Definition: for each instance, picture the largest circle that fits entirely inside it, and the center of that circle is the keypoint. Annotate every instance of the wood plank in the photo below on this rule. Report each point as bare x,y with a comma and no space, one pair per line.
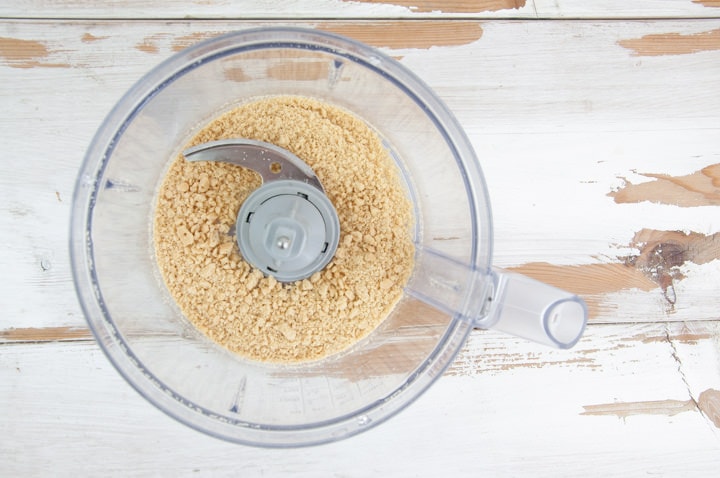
555,110
616,405
267,9
376,9
623,10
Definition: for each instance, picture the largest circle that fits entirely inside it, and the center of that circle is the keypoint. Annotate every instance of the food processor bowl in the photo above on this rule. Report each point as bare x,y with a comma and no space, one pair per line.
453,287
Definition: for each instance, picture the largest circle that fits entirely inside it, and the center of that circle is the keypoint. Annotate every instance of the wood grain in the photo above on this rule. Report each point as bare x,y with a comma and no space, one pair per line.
415,34
673,43
18,53
47,334
627,409
709,403
701,188
530,412
386,34
349,9
590,281
456,6
658,263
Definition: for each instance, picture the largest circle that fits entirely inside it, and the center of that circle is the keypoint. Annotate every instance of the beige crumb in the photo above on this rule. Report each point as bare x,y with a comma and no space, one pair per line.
256,316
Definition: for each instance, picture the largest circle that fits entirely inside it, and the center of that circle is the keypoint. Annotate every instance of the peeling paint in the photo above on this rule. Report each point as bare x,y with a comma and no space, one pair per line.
180,43
236,74
451,6
587,279
149,44
590,281
466,364
299,70
625,409
662,253
673,43
385,34
686,338
18,53
89,38
709,405
46,334
708,3
701,188
409,34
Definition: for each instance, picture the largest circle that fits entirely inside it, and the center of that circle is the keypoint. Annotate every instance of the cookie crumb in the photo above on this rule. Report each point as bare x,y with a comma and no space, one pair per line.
236,305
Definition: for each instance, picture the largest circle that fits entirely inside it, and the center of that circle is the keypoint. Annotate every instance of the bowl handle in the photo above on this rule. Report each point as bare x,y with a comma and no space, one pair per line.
536,311
499,300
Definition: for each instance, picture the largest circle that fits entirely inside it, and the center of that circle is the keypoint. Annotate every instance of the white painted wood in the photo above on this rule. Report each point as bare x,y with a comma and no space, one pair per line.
74,414
554,109
250,9
298,9
560,114
622,9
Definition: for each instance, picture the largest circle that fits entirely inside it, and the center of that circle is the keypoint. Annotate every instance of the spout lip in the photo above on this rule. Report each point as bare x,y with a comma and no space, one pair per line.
565,320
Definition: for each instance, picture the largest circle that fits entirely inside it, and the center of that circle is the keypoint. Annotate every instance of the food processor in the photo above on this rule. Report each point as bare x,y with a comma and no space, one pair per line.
453,287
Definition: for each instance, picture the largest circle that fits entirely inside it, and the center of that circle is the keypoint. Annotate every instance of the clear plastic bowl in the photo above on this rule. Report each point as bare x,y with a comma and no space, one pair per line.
134,318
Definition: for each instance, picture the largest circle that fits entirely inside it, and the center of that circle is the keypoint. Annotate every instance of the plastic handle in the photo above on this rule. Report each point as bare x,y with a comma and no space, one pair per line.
499,300
536,311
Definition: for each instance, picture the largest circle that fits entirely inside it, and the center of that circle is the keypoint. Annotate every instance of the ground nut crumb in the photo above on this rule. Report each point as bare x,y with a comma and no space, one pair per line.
256,316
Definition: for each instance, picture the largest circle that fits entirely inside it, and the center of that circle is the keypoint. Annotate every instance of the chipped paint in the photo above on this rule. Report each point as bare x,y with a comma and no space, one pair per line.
236,74
386,34
451,6
685,338
180,43
409,34
675,334
662,253
149,44
626,409
701,188
708,3
587,279
467,364
709,404
18,53
673,43
658,263
46,334
299,70
590,281
89,38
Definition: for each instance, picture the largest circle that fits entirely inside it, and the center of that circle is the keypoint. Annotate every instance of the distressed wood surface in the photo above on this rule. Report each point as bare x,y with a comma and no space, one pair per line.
615,405
600,141
381,9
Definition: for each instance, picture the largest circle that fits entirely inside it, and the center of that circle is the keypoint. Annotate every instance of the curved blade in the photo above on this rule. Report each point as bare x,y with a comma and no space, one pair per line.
271,162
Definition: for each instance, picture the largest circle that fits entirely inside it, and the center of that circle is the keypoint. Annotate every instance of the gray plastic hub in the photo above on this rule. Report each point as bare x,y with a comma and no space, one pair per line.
288,229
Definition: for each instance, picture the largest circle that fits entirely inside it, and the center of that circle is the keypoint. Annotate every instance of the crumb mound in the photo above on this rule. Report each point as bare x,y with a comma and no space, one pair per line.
235,304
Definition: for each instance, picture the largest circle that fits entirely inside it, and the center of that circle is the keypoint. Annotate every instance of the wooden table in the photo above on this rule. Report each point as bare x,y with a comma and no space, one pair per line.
598,127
